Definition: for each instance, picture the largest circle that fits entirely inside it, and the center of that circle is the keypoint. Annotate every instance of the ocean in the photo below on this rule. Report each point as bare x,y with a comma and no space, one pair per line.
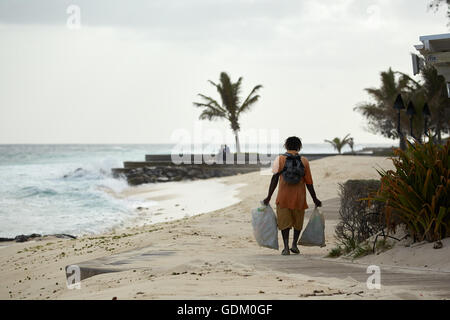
48,189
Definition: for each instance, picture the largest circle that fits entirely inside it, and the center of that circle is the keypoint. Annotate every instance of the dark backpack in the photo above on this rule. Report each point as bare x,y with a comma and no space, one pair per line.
293,170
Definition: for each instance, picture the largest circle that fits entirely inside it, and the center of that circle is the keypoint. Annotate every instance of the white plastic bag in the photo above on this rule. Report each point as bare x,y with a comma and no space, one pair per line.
314,233
265,229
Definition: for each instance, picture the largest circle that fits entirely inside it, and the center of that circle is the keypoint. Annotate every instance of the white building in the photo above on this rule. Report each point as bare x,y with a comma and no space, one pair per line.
436,51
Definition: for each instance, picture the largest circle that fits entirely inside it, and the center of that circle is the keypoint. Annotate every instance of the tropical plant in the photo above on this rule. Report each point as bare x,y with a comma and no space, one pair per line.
230,107
381,116
434,91
359,219
338,144
417,192
362,249
335,252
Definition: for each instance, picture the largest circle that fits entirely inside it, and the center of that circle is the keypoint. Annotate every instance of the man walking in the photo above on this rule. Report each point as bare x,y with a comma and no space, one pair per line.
294,175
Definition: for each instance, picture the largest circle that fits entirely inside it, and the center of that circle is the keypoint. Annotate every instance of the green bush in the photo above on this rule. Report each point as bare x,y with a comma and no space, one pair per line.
362,250
350,247
359,218
383,245
335,252
417,192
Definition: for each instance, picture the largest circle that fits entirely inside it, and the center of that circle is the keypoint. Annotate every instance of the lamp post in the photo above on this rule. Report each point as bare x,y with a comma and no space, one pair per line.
426,115
399,105
410,111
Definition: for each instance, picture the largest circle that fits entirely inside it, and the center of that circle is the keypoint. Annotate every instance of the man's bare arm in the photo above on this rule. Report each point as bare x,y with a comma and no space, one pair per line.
272,187
312,192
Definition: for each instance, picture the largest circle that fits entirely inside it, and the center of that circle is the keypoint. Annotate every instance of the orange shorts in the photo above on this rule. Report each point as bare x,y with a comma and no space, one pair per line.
290,218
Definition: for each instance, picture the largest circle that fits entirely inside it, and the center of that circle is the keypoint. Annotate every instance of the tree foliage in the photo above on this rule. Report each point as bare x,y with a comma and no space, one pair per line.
435,4
338,144
434,91
359,218
382,117
231,106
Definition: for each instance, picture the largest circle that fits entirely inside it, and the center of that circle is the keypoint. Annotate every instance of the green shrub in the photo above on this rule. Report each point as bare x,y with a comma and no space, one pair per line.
359,218
335,252
362,250
417,192
382,245
355,250
349,245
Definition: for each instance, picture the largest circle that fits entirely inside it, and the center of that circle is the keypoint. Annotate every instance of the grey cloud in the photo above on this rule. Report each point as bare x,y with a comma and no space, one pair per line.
199,22
150,13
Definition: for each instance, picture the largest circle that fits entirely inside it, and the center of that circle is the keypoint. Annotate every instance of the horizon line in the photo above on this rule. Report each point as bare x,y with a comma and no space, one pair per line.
162,143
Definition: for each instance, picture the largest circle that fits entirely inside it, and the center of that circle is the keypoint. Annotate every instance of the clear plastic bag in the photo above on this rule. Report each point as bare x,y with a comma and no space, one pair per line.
265,229
314,233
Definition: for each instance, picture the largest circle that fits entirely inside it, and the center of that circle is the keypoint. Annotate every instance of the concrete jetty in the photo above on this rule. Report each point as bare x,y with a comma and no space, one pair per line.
166,167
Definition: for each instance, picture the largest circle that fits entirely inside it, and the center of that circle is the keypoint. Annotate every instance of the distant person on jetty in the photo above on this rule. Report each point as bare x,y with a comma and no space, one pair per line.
224,150
293,173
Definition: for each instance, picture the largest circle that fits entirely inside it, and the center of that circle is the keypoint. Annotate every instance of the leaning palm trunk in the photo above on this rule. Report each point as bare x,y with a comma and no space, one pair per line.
238,146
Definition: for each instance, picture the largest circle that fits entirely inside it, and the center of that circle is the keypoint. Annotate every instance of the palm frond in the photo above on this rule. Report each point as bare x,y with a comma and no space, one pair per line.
251,99
338,144
346,138
211,114
212,109
227,93
237,91
219,88
377,94
210,102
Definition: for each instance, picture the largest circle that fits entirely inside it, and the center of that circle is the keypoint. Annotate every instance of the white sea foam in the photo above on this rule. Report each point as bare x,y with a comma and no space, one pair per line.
61,189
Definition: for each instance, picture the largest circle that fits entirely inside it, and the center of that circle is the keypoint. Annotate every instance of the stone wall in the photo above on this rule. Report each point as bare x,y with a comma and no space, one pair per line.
137,176
159,168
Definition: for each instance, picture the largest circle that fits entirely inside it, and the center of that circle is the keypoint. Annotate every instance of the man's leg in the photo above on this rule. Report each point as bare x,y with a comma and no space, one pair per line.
285,234
294,247
285,222
298,216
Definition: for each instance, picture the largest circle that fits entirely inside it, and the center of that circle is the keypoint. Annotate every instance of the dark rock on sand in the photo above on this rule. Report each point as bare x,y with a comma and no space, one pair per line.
152,174
438,245
64,236
23,237
135,180
162,179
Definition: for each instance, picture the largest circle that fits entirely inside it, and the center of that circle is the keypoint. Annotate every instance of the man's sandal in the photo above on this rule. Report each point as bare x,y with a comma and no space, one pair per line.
295,250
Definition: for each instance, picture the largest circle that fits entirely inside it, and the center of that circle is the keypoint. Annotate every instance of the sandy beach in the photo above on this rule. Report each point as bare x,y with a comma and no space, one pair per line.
213,255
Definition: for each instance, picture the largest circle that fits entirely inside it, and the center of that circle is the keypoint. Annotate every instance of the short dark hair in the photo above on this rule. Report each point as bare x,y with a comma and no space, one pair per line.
293,143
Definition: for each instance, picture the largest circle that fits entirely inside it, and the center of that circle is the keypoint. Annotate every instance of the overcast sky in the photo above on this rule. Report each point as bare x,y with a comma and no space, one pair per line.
133,69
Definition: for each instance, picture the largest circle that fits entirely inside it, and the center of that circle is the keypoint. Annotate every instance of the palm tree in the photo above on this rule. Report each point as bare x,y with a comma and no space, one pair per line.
338,144
435,93
231,106
381,116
